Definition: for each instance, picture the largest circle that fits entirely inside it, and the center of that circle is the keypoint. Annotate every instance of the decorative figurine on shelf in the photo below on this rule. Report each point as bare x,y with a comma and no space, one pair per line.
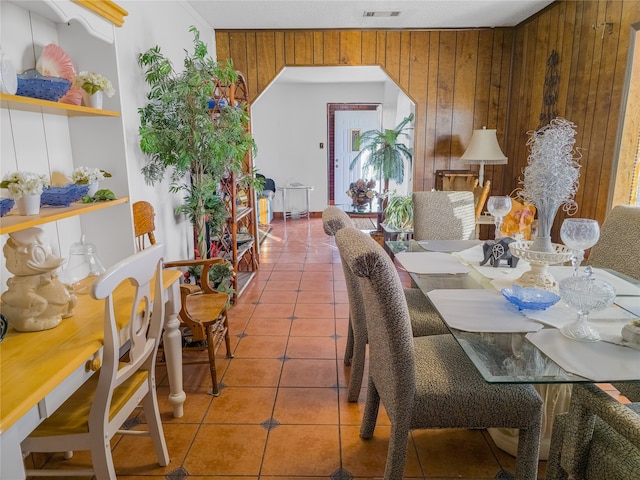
362,193
36,300
495,251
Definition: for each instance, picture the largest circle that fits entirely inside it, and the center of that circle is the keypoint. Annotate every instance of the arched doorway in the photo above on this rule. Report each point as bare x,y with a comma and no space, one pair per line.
290,122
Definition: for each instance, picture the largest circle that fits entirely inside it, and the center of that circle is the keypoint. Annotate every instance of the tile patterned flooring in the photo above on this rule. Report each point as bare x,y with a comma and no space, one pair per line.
282,413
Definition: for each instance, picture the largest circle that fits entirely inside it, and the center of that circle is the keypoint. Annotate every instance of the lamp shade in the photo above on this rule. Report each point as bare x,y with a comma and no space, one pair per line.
484,148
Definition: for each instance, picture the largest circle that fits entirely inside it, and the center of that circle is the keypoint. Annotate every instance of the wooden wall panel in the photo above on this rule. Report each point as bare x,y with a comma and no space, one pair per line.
461,80
592,69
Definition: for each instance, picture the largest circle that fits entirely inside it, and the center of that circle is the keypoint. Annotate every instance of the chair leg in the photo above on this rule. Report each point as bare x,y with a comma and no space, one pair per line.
528,449
554,463
397,453
348,351
357,369
211,350
152,414
227,339
370,415
102,460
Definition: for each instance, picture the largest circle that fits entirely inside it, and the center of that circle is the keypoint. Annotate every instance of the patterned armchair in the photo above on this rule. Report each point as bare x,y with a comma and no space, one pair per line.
597,439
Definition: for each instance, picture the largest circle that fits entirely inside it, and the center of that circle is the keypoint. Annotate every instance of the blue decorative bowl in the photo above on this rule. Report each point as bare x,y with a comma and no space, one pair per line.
528,298
6,204
63,196
33,84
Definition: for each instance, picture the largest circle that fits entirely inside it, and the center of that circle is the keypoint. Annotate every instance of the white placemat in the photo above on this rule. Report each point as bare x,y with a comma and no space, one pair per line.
622,286
560,314
629,303
448,246
430,263
480,310
598,361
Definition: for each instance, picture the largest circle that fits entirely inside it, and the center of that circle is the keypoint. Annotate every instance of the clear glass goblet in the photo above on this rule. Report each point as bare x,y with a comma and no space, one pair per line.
499,207
579,234
586,294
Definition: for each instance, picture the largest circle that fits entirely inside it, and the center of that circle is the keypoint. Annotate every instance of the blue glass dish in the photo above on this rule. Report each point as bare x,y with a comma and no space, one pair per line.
528,298
32,84
63,196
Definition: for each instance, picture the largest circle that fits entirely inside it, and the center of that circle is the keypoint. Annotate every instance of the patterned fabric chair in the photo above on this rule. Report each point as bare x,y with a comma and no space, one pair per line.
424,319
618,249
443,215
427,382
597,439
619,242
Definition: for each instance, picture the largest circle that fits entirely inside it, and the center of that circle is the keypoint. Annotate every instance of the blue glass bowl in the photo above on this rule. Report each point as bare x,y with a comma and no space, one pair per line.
35,85
6,204
528,298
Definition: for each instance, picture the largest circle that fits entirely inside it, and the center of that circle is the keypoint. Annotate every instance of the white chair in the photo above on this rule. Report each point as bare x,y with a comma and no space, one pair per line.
95,412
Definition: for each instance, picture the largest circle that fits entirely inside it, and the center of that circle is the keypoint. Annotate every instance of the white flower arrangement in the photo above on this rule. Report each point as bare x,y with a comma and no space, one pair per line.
85,175
92,82
551,177
24,183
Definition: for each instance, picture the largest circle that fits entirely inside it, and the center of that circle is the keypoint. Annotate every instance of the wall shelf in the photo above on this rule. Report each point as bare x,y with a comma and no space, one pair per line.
12,222
28,104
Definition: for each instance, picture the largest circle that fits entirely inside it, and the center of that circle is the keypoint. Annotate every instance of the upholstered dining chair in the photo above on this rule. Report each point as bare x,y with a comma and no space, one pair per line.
96,411
443,215
598,438
618,249
619,242
427,382
203,311
424,319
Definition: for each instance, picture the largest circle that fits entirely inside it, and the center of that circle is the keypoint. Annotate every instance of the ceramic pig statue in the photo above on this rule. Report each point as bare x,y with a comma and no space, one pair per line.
36,300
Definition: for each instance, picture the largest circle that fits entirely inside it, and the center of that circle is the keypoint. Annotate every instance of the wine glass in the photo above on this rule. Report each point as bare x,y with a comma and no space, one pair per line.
586,294
579,234
499,207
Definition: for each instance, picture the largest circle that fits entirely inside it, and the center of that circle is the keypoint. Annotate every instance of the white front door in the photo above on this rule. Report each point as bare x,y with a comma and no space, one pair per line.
347,124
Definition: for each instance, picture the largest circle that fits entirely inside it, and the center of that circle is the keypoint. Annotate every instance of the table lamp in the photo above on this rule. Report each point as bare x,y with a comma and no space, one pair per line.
483,148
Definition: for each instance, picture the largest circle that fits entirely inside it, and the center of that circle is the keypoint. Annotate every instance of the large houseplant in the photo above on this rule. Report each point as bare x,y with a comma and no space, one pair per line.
384,153
178,134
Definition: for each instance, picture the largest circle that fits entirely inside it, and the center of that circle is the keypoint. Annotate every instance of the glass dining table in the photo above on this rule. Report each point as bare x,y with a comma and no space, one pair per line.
500,357
507,357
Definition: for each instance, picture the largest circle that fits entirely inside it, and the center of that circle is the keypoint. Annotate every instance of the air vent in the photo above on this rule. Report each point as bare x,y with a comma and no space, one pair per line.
381,14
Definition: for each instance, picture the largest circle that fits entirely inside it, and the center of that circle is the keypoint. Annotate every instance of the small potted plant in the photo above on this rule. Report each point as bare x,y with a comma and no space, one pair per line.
93,85
89,176
398,215
25,188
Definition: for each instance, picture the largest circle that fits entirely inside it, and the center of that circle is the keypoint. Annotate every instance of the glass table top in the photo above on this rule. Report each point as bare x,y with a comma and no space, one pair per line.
499,357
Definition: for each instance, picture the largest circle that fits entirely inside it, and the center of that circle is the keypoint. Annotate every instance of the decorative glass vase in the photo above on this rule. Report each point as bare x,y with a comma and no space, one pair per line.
542,242
28,204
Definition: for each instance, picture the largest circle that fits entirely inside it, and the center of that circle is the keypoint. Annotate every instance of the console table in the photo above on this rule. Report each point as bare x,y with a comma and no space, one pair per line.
288,213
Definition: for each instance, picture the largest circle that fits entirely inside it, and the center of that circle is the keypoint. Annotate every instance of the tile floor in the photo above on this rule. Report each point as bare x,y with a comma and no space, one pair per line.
282,412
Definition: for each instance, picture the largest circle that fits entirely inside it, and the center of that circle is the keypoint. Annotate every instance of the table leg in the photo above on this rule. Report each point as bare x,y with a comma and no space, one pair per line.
308,201
172,339
284,204
11,463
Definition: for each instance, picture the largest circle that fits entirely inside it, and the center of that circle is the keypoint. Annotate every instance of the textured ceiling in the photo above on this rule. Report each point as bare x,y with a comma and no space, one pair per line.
332,14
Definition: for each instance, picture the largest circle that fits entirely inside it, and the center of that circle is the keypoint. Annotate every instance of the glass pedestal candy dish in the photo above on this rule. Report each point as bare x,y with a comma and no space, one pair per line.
586,294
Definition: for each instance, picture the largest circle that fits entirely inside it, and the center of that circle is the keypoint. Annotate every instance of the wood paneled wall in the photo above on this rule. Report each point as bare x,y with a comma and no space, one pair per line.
461,80
592,70
458,79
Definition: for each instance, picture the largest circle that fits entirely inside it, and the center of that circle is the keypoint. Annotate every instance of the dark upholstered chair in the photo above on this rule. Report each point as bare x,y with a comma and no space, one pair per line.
427,382
443,215
424,319
598,438
619,249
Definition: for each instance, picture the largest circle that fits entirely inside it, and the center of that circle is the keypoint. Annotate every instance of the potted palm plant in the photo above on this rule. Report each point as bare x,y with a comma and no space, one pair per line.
178,133
384,153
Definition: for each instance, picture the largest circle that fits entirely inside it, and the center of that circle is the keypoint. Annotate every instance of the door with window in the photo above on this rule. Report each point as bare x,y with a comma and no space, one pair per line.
349,124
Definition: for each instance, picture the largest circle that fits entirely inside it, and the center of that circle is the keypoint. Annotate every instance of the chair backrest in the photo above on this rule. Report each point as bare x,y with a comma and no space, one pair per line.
143,224
391,361
443,215
619,244
144,271
480,195
333,219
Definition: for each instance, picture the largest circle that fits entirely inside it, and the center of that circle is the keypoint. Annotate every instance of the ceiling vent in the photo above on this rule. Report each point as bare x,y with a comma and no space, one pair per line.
381,14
